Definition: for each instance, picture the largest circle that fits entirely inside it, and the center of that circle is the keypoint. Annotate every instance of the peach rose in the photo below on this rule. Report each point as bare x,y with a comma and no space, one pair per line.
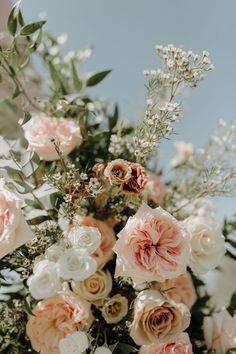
118,171
151,247
104,252
155,189
14,231
156,319
41,131
54,318
181,345
181,289
138,180
220,331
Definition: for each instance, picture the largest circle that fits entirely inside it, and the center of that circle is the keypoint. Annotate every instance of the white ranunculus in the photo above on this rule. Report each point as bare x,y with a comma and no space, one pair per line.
73,265
74,343
102,350
84,238
45,281
54,252
207,243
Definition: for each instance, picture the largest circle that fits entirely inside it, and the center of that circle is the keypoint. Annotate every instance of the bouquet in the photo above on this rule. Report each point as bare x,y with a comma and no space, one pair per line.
101,251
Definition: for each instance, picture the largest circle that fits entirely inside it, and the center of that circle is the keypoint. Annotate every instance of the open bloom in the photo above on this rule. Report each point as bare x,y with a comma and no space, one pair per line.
42,132
115,309
138,180
151,247
156,319
86,239
220,331
207,243
74,343
118,171
181,345
14,231
54,318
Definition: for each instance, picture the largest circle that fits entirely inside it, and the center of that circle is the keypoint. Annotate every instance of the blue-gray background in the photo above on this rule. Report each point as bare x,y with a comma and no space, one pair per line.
124,33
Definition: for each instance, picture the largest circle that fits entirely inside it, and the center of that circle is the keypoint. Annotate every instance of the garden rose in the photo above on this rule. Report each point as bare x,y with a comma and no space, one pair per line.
181,289
220,331
54,252
138,180
96,288
104,252
207,243
54,318
115,309
118,171
85,239
156,319
151,247
14,231
181,345
45,281
74,343
41,130
155,189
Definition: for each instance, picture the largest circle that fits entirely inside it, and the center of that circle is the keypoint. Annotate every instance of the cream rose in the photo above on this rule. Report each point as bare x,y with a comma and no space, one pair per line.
96,288
14,231
181,289
45,281
118,171
181,345
85,239
151,247
74,343
207,243
41,131
156,319
54,318
54,252
76,267
220,331
115,309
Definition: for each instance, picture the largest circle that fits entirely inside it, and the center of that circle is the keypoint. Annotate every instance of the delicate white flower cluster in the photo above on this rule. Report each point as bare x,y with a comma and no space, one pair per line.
64,264
117,145
94,187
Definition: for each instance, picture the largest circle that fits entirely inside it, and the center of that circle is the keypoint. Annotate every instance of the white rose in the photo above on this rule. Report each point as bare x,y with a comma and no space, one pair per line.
85,238
95,288
102,350
74,343
54,252
115,309
14,231
45,281
72,265
207,243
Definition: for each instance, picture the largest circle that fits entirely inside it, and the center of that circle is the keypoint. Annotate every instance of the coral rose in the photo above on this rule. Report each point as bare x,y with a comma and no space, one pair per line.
41,131
181,289
54,318
220,331
138,180
151,247
14,231
104,252
155,189
181,345
156,319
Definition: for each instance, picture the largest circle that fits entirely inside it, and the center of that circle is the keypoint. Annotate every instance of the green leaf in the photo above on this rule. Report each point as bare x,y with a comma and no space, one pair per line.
38,41
231,351
20,19
12,22
56,78
232,306
123,348
113,119
76,81
96,78
31,28
16,93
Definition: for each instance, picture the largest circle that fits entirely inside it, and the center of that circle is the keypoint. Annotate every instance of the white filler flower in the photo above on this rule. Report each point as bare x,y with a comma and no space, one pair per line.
74,343
84,238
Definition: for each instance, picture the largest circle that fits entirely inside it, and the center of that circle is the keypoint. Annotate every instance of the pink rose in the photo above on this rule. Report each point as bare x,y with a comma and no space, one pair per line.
181,289
156,319
137,181
42,131
54,318
181,345
220,331
151,247
155,189
14,231
104,253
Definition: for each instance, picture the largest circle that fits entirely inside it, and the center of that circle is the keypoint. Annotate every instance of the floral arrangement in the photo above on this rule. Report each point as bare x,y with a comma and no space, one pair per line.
101,251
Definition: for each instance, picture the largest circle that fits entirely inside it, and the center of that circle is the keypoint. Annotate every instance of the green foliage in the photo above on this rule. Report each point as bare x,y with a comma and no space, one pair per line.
31,28
97,78
232,306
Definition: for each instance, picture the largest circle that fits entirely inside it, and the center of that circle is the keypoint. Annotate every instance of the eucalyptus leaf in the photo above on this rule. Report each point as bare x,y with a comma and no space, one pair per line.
98,77
12,22
31,28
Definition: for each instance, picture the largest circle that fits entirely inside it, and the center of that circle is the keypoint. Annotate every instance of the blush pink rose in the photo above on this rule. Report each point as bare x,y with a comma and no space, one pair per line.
104,253
181,289
54,318
156,319
42,131
181,345
155,189
14,231
151,247
220,331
